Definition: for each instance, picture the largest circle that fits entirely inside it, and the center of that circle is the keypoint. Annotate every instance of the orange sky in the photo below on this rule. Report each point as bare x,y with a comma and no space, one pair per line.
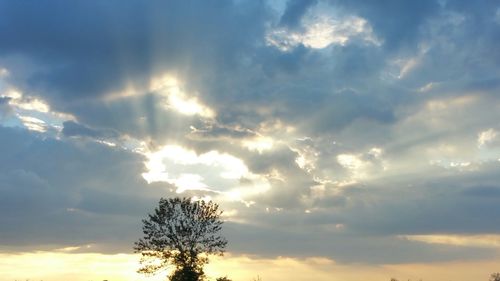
57,266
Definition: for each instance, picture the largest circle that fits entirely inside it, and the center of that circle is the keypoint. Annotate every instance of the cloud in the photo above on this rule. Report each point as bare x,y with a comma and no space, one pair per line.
471,240
71,128
344,249
396,22
321,27
294,11
5,109
339,125
66,192
486,137
82,59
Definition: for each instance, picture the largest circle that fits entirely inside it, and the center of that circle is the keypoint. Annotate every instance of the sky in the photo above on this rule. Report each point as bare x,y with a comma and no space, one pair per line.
344,140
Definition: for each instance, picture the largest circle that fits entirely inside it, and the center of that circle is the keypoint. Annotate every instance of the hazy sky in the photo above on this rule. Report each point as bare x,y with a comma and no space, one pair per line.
345,140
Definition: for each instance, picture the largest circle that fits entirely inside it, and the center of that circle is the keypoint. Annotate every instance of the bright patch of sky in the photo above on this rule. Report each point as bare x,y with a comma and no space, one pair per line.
20,110
211,171
3,72
482,240
259,143
177,99
362,165
401,67
323,27
487,137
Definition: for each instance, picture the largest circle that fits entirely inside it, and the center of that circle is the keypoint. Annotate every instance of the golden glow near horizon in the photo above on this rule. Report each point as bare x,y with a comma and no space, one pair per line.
56,266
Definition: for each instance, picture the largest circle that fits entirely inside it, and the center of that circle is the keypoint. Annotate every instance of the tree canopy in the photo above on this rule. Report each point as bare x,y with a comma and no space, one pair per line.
495,276
181,232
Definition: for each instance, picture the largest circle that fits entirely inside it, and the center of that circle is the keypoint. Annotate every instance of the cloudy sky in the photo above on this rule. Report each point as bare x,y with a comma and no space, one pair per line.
344,140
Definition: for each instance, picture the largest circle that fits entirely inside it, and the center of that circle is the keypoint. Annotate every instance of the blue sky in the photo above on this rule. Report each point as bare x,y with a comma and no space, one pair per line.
362,132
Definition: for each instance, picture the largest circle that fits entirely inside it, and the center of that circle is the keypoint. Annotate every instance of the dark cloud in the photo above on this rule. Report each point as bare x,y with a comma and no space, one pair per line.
443,202
398,23
71,129
343,248
63,193
356,223
90,49
4,100
294,11
5,109
143,117
484,191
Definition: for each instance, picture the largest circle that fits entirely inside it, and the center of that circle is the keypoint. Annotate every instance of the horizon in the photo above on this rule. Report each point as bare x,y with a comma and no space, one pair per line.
343,140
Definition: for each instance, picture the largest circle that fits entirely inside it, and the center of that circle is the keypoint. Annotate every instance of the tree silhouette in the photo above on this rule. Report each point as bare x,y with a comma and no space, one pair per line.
495,276
181,232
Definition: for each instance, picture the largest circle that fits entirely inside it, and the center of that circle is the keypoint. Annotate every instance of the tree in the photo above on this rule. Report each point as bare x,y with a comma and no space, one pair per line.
495,276
181,232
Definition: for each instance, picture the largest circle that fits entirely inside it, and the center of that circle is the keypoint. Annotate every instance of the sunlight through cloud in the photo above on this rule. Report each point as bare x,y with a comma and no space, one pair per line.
322,29
33,124
483,240
259,144
211,171
178,100
486,137
30,112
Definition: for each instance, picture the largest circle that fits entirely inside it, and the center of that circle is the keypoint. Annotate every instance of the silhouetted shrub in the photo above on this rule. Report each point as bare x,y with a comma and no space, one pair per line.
495,276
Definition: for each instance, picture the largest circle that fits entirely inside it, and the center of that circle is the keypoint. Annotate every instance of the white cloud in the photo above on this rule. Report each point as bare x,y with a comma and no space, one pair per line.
401,66
33,124
307,153
321,30
32,112
214,171
259,143
189,182
31,104
18,100
4,72
427,87
375,152
177,99
362,166
486,137
407,66
350,161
